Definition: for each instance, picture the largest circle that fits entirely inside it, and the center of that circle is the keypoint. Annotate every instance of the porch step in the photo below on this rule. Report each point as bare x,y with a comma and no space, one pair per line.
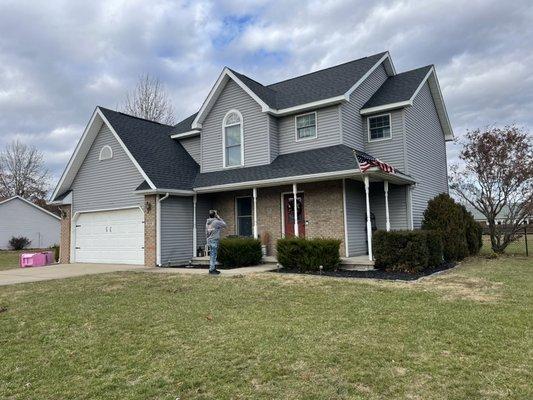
359,263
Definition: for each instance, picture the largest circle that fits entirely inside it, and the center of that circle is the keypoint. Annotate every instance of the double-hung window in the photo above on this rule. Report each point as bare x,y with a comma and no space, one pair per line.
243,206
306,126
233,139
379,127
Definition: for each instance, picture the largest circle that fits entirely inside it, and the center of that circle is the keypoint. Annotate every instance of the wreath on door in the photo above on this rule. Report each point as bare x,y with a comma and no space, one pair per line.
290,208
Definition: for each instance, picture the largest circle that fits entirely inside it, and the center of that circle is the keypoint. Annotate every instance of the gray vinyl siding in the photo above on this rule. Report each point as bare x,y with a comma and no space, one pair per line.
355,217
256,140
426,152
391,150
397,206
176,230
106,184
273,134
328,131
17,218
192,145
352,122
204,203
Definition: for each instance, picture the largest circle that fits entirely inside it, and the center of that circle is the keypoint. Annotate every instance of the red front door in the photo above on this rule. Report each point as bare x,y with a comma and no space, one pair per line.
288,207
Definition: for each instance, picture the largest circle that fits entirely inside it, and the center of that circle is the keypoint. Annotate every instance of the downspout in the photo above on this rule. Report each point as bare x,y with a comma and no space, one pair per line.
158,228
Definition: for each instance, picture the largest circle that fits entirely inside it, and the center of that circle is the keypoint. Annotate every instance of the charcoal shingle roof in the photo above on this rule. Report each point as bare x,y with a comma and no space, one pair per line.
398,88
325,159
164,160
169,165
319,85
184,126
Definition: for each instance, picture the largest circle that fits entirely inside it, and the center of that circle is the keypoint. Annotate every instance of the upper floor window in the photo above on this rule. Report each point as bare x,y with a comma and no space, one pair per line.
105,153
306,126
233,139
379,127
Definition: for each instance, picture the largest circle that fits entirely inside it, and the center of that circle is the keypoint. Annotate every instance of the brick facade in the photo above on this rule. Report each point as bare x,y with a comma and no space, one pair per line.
64,245
323,211
150,230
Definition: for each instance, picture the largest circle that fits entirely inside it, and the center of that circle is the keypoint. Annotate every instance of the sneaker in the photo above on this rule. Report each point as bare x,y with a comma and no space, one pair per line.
214,272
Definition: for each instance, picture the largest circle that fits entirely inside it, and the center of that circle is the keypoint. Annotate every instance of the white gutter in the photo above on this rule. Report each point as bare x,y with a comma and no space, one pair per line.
176,192
158,228
184,135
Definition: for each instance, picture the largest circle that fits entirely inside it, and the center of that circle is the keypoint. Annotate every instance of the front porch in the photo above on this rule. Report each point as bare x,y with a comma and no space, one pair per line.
346,208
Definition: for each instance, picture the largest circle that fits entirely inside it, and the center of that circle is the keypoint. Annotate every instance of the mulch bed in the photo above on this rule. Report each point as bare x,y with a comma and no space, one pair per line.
373,274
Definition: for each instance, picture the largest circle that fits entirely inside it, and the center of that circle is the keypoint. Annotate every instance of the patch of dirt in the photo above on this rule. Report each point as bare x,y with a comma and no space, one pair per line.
112,288
458,287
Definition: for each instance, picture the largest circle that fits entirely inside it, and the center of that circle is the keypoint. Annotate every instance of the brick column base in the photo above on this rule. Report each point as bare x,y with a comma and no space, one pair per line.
64,245
150,230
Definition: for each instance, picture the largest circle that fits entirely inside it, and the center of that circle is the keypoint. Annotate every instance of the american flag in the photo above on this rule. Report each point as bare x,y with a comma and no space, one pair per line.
366,162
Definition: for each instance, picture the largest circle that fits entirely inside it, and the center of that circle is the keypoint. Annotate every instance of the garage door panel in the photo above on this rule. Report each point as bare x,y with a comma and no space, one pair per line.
110,237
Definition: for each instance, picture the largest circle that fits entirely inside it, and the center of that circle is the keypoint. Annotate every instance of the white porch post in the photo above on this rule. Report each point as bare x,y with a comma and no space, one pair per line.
368,222
194,235
295,206
386,188
255,212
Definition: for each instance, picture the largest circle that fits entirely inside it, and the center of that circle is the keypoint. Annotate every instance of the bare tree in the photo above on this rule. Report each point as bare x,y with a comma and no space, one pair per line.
22,172
497,179
149,100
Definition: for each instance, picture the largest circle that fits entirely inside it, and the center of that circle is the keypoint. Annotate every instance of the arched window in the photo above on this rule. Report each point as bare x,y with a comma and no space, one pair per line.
233,139
106,153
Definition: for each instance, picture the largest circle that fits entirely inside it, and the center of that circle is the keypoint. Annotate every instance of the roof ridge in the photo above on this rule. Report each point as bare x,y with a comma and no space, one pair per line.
133,116
323,69
414,69
253,80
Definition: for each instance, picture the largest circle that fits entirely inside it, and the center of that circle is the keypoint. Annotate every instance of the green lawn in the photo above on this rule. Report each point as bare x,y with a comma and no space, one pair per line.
9,259
518,247
464,334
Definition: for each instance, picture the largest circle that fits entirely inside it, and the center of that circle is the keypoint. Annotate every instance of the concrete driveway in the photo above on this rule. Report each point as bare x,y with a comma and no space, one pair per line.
61,271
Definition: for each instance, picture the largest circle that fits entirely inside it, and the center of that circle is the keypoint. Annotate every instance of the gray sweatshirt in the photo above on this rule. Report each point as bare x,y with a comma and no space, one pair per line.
213,226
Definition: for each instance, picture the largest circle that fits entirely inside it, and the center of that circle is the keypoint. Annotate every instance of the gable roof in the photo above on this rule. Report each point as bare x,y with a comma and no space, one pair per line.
327,86
398,88
29,203
161,161
400,91
165,161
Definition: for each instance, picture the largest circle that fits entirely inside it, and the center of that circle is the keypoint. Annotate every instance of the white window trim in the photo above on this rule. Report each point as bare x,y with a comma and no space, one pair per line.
237,215
224,126
368,127
296,127
102,149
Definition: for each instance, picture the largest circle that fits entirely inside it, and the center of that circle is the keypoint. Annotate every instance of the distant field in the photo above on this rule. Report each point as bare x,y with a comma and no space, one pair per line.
517,248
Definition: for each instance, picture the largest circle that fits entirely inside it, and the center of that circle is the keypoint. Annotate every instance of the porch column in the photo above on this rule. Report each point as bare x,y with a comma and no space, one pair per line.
386,188
368,222
295,206
255,212
194,235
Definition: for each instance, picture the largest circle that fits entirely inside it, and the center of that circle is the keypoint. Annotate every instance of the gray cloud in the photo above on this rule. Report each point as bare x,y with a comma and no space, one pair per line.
60,59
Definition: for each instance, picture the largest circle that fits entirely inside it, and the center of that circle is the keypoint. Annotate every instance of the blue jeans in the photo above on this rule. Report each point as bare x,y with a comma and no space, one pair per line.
213,247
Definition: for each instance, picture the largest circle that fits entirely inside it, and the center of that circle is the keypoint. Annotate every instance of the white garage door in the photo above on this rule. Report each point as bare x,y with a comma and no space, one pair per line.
112,237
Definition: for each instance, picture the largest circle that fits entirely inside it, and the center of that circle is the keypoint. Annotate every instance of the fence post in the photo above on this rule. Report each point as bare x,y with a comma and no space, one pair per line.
525,237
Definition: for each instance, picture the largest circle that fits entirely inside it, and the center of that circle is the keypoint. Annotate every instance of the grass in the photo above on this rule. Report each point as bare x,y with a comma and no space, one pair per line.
518,247
464,334
9,259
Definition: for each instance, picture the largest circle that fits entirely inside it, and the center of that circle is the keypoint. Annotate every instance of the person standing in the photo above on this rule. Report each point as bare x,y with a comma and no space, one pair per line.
213,227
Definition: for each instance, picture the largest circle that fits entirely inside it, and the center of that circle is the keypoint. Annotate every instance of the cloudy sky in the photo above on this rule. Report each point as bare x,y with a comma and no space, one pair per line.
59,59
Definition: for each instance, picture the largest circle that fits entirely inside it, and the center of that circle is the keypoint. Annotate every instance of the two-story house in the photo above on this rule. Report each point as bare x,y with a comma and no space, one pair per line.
274,160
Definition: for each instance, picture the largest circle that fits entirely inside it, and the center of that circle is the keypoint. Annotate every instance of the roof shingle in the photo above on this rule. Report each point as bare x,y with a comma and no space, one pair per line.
164,160
398,88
